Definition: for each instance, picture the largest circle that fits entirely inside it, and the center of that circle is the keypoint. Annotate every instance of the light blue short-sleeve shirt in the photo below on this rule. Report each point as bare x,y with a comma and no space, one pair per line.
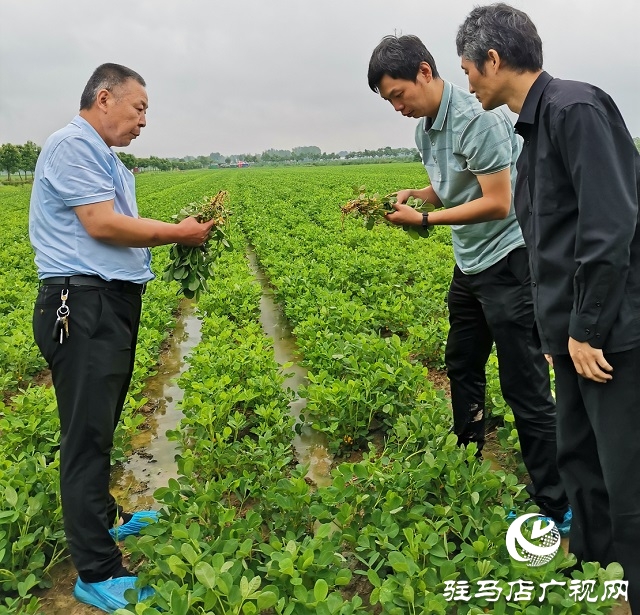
462,142
76,167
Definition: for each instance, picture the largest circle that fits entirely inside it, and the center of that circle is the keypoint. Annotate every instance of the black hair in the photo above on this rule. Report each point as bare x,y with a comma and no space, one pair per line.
400,58
106,77
507,30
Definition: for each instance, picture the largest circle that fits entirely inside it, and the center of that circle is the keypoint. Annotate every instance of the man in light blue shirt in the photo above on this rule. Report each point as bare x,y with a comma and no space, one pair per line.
76,169
92,255
470,157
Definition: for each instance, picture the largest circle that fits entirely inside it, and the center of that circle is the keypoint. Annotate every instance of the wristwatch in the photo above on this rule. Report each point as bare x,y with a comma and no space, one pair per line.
425,219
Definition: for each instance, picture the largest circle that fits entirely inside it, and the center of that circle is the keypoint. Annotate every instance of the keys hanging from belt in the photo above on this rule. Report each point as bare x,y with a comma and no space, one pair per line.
61,326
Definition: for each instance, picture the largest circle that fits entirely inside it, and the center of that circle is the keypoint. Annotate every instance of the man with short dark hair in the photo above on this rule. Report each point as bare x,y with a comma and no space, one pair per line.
577,203
93,264
470,157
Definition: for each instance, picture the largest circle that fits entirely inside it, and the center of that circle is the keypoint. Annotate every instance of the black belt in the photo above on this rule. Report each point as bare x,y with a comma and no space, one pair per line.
97,282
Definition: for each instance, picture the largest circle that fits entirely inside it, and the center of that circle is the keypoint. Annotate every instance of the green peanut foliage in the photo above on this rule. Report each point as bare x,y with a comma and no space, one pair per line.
192,267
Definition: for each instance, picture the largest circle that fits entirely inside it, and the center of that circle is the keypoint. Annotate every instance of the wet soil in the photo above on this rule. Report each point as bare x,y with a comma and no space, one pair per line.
59,599
309,444
152,462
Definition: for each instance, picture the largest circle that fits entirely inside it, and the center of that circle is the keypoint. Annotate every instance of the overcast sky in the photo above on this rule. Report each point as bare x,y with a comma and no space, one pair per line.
243,76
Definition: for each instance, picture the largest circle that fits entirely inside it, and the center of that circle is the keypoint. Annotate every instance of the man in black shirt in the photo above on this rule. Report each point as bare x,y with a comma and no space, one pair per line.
576,200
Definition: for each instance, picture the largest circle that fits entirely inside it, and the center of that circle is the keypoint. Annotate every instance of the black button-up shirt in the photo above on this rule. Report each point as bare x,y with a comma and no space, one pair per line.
576,200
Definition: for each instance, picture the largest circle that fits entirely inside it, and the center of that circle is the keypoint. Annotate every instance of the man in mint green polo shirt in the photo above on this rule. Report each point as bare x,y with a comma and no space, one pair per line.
470,157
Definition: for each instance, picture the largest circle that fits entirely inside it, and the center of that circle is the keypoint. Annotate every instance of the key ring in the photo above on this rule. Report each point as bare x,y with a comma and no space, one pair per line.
62,311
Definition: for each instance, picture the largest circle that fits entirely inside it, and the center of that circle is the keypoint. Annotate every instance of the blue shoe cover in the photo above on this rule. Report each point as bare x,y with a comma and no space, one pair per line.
134,525
109,595
513,512
565,527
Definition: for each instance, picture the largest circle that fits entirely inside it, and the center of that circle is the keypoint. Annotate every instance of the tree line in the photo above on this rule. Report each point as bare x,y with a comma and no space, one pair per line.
310,153
19,158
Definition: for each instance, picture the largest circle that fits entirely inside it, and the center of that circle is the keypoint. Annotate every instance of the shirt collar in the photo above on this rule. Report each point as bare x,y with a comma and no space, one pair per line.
80,122
531,102
438,122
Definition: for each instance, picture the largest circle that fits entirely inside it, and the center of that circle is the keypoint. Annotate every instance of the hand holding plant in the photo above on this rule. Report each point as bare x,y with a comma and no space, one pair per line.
193,266
373,208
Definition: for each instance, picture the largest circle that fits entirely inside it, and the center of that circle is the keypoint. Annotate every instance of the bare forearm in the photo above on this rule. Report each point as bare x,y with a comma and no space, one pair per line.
122,230
483,209
494,204
104,224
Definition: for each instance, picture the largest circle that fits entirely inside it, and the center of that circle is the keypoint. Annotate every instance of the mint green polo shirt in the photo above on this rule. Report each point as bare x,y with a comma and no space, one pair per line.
462,142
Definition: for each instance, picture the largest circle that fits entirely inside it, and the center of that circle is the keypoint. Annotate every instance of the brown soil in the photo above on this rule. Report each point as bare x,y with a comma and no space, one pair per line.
42,378
59,599
440,380
360,586
621,609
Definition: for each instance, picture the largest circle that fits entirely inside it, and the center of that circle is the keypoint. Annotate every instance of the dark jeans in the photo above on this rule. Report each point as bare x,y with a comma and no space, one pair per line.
496,305
91,372
598,457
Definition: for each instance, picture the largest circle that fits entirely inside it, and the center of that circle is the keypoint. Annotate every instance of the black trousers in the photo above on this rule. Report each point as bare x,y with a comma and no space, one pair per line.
91,373
598,457
496,305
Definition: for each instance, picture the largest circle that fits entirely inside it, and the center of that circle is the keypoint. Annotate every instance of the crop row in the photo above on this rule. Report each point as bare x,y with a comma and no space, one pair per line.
368,307
242,531
393,528
31,536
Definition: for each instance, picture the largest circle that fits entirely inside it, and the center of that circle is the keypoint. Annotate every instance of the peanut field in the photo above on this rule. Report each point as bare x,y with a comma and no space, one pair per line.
408,515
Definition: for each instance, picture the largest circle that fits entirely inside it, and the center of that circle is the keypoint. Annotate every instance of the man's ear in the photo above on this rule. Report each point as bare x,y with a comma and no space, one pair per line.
493,60
102,97
425,70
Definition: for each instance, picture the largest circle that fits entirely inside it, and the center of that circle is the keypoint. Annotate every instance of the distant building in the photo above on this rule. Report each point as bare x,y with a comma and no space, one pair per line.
242,163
